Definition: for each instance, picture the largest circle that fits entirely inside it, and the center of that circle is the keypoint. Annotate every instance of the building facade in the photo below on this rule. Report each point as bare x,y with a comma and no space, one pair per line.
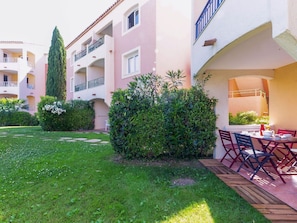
23,68
235,39
130,38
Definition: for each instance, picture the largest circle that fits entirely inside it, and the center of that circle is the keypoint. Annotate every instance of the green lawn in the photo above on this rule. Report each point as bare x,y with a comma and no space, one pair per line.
60,177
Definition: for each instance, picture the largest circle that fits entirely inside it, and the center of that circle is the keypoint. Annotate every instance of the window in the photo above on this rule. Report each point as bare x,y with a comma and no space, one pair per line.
248,100
5,58
131,63
133,19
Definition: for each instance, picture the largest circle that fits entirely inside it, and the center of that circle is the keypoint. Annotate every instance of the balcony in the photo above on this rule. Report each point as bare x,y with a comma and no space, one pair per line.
247,93
80,87
9,84
30,86
9,60
248,100
95,45
240,30
96,82
80,54
207,14
9,88
89,49
91,84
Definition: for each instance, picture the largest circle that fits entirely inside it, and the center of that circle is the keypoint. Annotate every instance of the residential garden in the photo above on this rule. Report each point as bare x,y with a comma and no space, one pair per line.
145,169
61,176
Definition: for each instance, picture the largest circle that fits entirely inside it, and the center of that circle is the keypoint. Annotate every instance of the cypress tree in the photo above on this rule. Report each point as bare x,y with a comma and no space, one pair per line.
56,74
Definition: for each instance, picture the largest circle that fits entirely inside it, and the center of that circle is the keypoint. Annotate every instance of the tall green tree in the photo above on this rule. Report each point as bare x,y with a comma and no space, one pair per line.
56,74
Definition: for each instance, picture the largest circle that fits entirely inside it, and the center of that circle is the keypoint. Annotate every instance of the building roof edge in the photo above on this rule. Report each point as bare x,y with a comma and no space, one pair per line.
104,14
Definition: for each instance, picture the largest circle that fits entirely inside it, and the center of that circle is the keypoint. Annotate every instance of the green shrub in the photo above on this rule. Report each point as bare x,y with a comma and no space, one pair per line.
56,115
247,118
80,115
154,119
149,139
190,122
12,113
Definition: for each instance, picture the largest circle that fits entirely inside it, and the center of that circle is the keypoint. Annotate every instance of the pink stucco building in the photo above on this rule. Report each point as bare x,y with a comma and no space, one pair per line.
131,38
23,68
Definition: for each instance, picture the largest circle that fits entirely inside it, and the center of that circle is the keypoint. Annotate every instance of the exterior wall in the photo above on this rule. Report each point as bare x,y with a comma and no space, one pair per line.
101,113
142,37
283,17
233,20
26,66
283,97
162,47
252,103
173,40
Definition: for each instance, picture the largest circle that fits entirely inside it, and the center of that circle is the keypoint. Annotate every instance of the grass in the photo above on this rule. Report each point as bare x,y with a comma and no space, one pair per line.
45,178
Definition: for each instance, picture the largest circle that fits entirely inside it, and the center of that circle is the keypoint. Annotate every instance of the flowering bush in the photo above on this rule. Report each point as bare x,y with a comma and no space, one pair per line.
55,108
12,105
52,114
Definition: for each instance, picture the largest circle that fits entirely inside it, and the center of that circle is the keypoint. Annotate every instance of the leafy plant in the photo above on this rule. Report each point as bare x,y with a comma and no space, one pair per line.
246,118
56,115
153,119
13,112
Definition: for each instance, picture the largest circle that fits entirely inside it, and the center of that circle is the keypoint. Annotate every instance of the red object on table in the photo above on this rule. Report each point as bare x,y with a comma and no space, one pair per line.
262,128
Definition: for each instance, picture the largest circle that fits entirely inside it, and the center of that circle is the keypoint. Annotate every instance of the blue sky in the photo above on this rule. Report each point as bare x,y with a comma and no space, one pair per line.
33,21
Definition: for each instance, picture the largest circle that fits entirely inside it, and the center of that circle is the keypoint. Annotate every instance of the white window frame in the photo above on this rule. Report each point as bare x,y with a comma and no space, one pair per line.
136,19
131,63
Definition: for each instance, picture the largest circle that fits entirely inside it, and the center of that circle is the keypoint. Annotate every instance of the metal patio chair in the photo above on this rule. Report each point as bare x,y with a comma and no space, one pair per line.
256,159
230,147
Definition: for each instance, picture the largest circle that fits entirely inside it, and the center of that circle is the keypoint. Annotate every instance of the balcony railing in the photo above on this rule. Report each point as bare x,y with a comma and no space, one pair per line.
30,86
80,87
9,84
96,44
89,49
9,60
96,82
247,93
80,54
207,14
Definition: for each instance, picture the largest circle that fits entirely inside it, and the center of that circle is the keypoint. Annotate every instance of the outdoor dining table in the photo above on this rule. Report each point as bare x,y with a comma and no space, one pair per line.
271,144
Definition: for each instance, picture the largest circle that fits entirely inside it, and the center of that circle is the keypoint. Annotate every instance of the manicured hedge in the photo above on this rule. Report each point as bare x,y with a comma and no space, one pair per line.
13,112
151,120
17,118
56,115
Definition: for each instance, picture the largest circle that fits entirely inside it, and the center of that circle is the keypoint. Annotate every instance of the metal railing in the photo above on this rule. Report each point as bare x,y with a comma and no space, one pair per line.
207,14
96,82
80,87
9,60
9,84
247,93
89,48
30,86
80,54
96,44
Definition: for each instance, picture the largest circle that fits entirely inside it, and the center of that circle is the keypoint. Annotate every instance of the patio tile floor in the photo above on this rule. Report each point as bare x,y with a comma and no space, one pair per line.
285,192
274,199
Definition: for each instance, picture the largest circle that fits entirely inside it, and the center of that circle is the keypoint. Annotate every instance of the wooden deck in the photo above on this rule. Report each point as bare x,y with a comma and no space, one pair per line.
271,207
